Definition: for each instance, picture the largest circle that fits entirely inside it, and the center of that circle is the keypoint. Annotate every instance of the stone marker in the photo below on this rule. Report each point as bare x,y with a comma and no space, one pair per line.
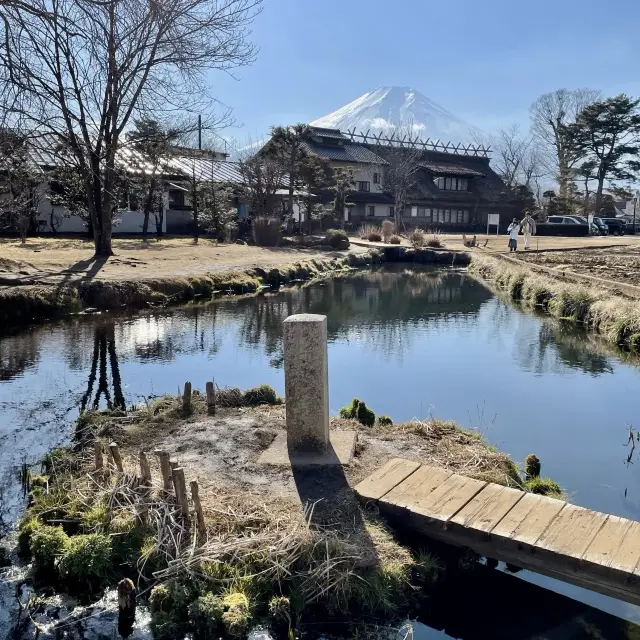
306,382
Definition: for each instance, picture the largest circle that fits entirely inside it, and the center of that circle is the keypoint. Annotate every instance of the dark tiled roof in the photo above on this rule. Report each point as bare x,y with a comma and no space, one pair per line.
450,170
370,197
346,153
328,133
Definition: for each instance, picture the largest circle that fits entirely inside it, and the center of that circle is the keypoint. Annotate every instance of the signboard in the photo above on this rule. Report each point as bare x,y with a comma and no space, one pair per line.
493,219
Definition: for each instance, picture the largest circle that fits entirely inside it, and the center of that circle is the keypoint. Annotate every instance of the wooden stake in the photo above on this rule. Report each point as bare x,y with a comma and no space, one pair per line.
165,469
186,397
97,450
145,470
181,490
211,399
195,496
126,607
174,463
115,454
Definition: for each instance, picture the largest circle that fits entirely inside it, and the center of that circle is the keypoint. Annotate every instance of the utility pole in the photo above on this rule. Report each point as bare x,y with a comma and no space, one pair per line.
635,202
200,132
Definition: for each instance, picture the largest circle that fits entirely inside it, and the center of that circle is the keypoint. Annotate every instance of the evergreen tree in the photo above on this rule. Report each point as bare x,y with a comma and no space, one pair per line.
215,204
606,133
342,187
315,174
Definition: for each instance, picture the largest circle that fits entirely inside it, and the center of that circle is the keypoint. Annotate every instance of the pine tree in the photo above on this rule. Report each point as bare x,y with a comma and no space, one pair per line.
606,133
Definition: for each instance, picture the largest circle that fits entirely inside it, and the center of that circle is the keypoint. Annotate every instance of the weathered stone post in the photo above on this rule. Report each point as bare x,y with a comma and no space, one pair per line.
306,382
307,440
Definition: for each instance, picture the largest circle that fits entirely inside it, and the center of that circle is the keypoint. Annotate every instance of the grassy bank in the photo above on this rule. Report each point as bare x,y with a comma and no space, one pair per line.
262,557
616,318
21,304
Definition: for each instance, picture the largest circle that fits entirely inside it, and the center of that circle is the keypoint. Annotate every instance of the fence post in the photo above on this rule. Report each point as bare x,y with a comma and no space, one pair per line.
186,397
181,490
211,399
165,469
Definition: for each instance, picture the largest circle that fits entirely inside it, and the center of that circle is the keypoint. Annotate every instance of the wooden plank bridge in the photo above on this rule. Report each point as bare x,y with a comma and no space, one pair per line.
590,549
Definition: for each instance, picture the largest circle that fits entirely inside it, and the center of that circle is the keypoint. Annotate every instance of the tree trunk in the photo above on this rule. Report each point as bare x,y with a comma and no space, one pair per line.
599,193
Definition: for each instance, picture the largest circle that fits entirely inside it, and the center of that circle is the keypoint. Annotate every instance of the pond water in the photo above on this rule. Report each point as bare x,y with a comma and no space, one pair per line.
409,343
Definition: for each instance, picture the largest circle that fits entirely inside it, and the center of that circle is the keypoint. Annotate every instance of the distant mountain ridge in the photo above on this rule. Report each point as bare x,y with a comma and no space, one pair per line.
388,109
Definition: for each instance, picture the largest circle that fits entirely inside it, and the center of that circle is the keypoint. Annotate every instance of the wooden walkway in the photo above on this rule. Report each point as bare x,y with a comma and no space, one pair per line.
593,550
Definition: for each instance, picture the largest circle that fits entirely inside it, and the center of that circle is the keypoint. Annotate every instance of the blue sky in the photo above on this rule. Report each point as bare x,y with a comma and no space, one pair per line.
483,61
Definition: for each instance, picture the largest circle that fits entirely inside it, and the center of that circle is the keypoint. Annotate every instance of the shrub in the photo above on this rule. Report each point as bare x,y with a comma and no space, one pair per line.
47,543
388,229
385,421
264,394
395,239
206,614
416,238
86,563
359,411
434,240
266,231
337,239
374,237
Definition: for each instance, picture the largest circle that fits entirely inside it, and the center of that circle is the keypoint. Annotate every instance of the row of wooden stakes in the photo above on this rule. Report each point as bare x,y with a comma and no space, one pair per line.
172,479
211,398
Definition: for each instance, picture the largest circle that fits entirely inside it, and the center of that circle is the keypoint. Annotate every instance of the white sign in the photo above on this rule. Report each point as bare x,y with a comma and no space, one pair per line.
493,219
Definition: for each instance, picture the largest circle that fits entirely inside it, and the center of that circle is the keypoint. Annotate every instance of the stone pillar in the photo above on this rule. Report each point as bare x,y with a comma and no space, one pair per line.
306,381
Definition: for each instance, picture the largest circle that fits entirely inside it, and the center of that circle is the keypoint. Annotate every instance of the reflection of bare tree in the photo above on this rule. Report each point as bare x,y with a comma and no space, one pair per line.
104,348
17,354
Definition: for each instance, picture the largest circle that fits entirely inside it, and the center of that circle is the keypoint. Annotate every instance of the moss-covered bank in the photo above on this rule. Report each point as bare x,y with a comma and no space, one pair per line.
262,559
22,304
616,318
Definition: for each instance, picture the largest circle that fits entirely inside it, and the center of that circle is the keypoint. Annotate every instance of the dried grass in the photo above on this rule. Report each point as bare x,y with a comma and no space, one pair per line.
367,229
614,317
435,240
445,444
416,238
388,228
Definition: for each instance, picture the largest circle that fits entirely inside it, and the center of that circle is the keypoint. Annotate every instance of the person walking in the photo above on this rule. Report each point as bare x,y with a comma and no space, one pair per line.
513,230
528,226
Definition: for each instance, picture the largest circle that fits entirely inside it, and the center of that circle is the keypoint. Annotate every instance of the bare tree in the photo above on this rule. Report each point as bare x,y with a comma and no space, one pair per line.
80,70
262,177
401,170
550,114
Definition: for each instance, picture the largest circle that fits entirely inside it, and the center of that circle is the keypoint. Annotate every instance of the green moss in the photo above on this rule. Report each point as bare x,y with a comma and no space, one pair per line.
87,563
27,528
159,598
39,482
544,487
359,411
264,394
47,544
205,614
384,421
95,518
237,615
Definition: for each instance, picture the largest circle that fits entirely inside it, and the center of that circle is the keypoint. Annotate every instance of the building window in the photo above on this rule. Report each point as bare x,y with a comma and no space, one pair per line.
176,199
364,185
421,212
452,184
392,211
371,210
376,178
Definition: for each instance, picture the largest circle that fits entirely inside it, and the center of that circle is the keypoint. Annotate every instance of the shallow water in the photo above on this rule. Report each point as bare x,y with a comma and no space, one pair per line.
411,344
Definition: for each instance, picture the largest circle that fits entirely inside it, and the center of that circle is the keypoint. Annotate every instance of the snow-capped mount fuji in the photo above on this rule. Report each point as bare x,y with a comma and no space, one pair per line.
386,109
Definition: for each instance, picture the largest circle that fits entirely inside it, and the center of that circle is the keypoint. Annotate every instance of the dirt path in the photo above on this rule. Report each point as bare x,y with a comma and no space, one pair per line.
51,261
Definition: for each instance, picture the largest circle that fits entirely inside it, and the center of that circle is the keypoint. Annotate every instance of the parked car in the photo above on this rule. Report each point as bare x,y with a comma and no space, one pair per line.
564,220
593,229
617,226
603,229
